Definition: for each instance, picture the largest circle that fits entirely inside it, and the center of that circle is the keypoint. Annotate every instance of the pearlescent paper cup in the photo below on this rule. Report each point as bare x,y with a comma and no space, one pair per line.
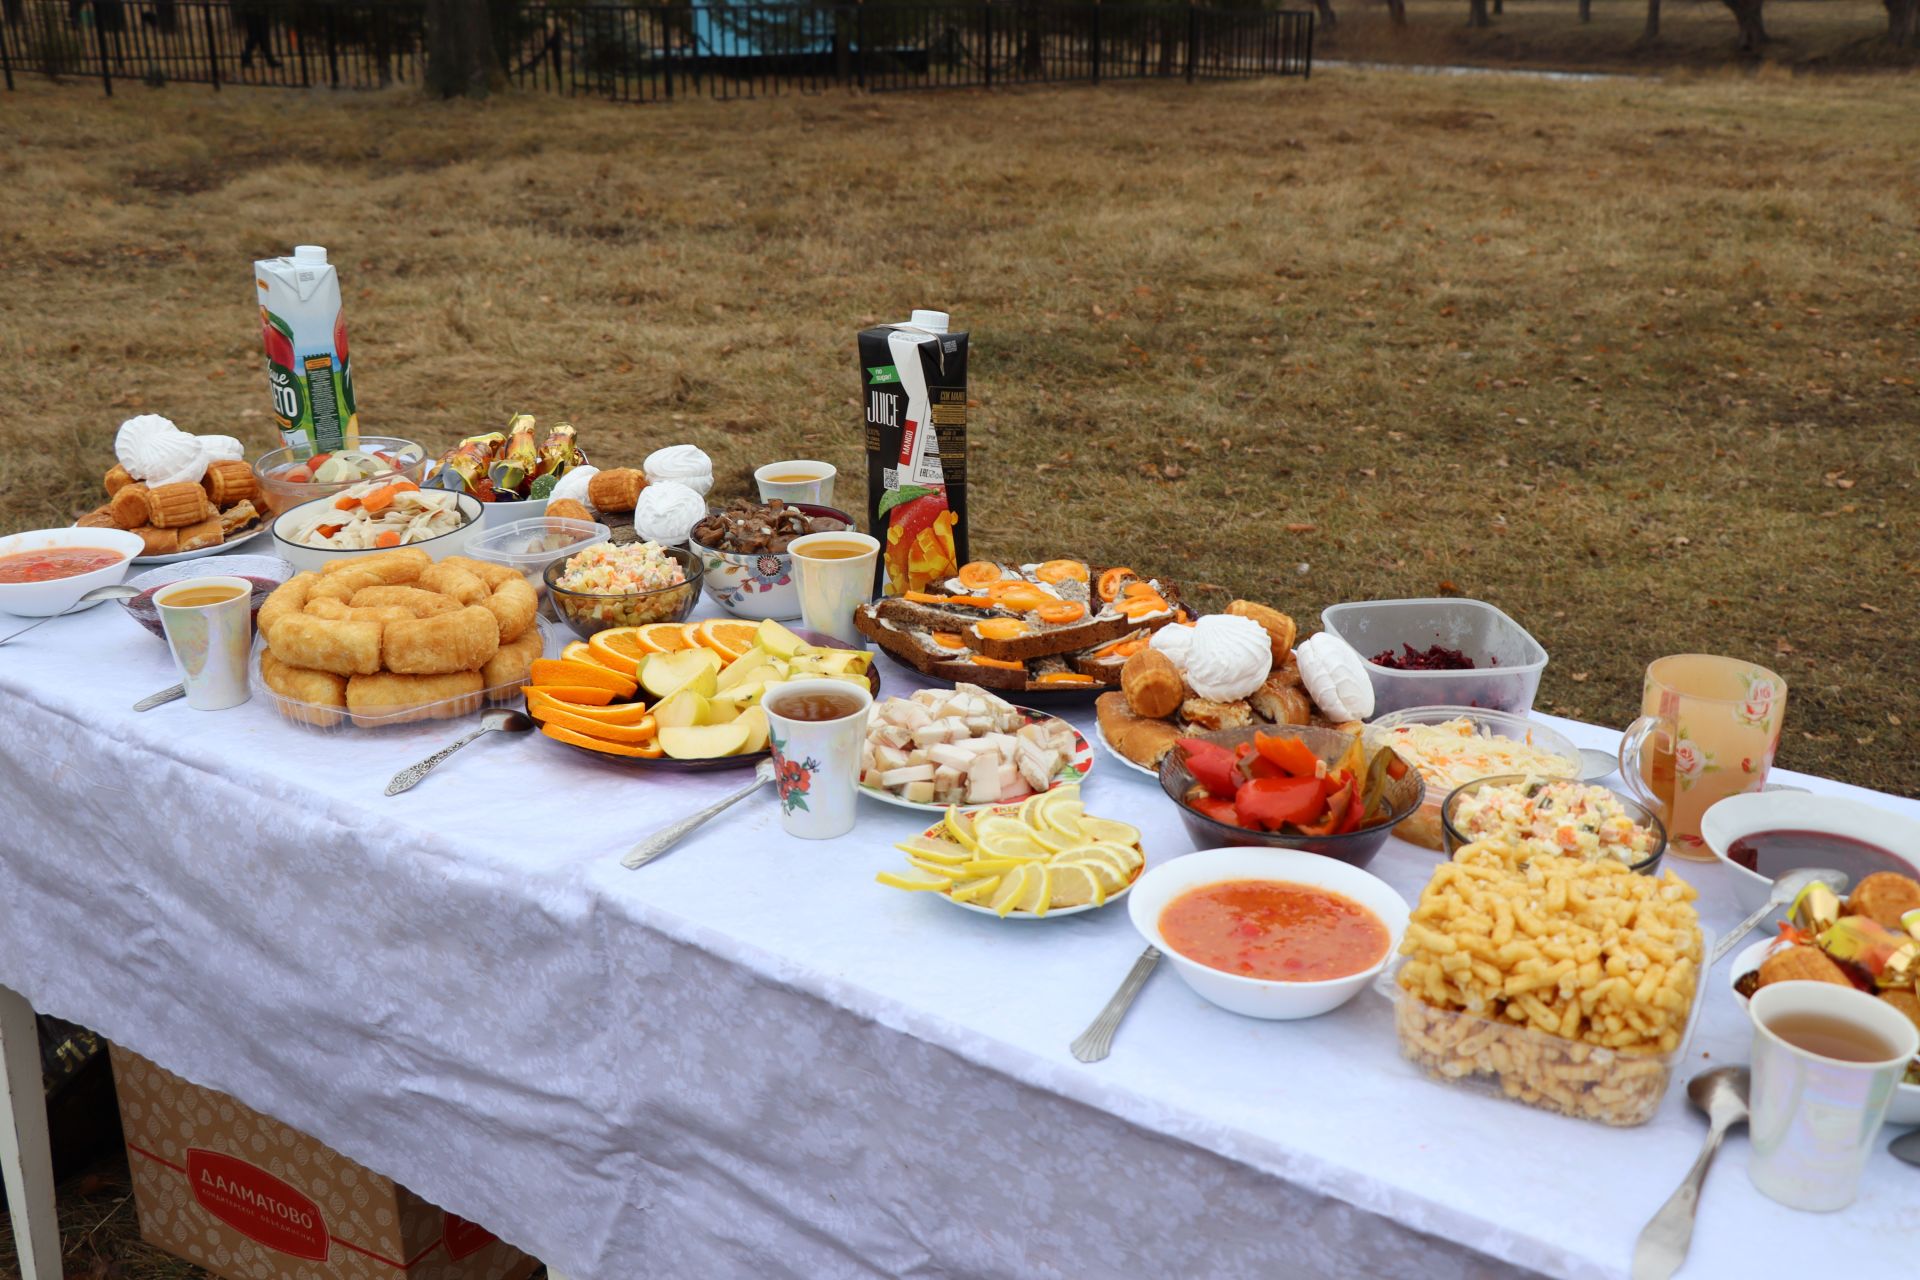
210,642
817,762
1815,1117
797,480
831,588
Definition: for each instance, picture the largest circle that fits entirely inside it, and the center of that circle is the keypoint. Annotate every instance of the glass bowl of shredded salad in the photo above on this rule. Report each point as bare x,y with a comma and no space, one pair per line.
1527,817
627,586
1451,746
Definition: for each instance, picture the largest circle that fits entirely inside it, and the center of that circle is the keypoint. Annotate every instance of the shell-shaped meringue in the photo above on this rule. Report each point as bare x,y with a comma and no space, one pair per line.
1336,676
684,463
1228,658
666,513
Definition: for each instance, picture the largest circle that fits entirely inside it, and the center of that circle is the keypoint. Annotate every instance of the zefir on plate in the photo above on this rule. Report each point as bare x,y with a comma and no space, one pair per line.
1043,857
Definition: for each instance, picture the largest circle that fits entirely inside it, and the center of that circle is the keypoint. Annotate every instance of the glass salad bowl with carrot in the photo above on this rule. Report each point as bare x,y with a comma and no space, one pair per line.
1289,787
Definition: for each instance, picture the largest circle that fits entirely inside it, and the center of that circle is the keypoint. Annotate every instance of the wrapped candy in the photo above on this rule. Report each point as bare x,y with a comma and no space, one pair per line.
560,451
463,469
514,470
1815,908
1890,959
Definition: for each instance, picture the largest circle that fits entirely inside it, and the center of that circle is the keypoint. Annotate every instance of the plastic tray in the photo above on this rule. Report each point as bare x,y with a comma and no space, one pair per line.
1424,827
1510,660
1502,1059
326,719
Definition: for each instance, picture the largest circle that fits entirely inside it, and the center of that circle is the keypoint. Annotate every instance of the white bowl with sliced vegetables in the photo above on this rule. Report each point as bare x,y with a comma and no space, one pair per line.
1043,857
965,746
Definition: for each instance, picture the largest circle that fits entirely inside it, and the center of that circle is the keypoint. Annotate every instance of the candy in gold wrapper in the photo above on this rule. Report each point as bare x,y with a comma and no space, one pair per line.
1816,907
463,468
512,471
1887,957
1911,922
1902,968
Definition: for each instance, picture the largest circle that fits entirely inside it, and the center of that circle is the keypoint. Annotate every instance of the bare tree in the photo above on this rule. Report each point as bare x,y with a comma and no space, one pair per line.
1397,10
460,60
1477,14
1325,9
1652,31
1900,22
1753,32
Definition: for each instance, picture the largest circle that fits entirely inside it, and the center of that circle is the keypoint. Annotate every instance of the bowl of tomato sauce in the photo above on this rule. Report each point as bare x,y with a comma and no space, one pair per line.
45,571
1269,933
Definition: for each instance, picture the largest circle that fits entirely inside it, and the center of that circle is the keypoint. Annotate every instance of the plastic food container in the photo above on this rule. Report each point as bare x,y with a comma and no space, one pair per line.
1499,1058
529,546
1509,661
1424,827
282,495
326,719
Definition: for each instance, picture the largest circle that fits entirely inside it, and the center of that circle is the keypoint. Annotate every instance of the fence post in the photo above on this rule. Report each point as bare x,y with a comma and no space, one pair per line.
1096,41
986,42
1193,39
666,49
300,48
213,50
6,56
333,53
100,43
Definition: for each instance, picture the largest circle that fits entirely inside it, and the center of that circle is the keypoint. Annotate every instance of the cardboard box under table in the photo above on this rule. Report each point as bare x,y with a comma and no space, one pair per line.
249,1198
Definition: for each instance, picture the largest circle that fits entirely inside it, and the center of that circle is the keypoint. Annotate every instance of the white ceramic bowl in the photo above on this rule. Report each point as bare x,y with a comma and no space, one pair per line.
44,599
1906,1097
307,559
1754,811
1264,997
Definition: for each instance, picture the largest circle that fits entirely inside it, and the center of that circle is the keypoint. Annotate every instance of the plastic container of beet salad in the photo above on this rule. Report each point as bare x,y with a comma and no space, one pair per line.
1507,661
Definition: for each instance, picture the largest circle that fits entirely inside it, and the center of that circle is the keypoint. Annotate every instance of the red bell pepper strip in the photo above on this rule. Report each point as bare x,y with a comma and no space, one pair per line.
1271,803
1211,765
1218,810
1292,756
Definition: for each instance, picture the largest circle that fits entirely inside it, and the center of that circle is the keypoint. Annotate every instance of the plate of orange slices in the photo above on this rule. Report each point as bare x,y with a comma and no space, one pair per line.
681,695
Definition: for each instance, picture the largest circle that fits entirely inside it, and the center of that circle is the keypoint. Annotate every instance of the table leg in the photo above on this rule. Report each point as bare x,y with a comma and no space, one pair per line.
26,1159
554,1275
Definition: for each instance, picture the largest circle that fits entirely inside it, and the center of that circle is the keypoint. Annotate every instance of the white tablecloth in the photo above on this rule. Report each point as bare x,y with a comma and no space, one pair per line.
748,1058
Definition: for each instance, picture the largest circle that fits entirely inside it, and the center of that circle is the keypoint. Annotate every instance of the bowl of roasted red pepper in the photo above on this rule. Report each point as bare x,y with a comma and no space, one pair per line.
1289,787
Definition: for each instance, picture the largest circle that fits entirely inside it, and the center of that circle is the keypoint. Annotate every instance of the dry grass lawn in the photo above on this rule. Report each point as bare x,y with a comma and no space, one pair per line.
1635,360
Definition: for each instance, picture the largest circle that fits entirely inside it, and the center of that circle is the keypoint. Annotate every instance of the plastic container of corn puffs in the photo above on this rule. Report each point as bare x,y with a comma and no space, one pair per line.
1501,1058
328,718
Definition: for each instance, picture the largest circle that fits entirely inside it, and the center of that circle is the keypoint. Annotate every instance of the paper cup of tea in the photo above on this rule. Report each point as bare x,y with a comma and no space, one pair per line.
816,728
797,481
208,623
1826,1061
834,575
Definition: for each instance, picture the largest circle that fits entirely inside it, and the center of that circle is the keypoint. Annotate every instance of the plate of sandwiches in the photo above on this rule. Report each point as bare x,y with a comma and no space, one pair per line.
1221,671
1053,631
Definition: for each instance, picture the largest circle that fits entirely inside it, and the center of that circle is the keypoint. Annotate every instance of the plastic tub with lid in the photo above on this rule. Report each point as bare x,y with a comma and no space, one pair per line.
529,546
1507,660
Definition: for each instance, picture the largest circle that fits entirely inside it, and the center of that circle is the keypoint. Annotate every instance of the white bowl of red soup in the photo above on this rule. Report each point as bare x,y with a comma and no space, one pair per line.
45,571
1269,933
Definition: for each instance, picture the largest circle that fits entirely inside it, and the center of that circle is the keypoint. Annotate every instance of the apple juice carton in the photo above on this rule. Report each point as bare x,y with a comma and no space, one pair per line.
914,377
305,332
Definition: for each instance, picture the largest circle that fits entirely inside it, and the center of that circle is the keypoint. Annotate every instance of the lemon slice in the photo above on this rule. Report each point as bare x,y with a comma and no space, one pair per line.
1076,885
932,868
1039,891
998,837
1012,888
959,828
1109,831
992,866
930,850
1059,810
1112,864
1127,853
974,890
914,880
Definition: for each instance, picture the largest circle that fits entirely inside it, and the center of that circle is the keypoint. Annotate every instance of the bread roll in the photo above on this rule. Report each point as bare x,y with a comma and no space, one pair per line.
1152,684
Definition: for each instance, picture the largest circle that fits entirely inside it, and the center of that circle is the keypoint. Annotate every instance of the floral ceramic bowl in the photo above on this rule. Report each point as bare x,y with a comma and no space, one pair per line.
757,584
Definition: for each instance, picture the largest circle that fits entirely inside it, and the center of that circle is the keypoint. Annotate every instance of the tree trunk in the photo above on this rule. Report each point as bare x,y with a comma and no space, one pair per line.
459,48
1586,10
1397,10
1477,14
1499,6
1753,31
1900,14
1325,10
1652,31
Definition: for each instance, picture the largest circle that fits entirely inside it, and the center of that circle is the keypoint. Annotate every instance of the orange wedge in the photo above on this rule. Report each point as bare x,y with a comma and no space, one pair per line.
553,714
729,637
560,671
618,648
660,637
581,651
617,713
690,632
584,694
644,751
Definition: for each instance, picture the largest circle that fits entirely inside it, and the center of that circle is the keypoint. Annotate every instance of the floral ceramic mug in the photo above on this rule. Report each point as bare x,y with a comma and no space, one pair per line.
1708,729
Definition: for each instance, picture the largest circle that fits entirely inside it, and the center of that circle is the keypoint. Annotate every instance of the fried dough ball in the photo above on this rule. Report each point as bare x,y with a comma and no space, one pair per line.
460,641
511,667
289,597
320,688
452,580
512,605
380,698
488,572
1802,964
336,610
400,564
568,509
417,602
323,644
1883,897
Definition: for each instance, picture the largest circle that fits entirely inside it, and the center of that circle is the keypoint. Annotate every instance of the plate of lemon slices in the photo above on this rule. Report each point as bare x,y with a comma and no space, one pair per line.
1046,856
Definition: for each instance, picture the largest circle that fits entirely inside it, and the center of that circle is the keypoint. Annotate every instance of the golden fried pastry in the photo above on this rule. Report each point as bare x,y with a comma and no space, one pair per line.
401,564
383,698
1205,713
175,506
1906,1002
320,688
568,509
616,490
343,583
207,533
1278,626
1282,702
228,482
98,518
116,479
238,516
1140,739
459,641
512,665
512,605
452,580
289,597
417,602
160,542
1883,897
488,572
345,648
129,506
1802,964
336,610
1152,684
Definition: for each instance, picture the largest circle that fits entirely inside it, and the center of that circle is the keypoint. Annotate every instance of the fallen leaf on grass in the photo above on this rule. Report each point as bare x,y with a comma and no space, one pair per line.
1870,608
1301,528
1579,677
1782,647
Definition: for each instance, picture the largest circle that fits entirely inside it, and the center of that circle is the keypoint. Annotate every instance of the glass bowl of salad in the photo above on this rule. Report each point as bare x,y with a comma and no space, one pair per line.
623,586
291,476
1564,817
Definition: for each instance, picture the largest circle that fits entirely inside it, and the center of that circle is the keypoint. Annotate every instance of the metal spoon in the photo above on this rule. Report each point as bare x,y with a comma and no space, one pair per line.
1595,765
1785,890
94,596
667,837
1906,1147
1662,1247
1096,1042
498,720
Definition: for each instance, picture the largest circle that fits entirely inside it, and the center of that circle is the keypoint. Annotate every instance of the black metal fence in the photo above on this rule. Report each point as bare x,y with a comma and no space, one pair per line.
646,53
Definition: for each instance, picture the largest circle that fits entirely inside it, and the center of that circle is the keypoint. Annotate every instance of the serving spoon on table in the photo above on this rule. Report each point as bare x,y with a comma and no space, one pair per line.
94,596
497,720
1096,1042
667,837
1662,1246
1785,890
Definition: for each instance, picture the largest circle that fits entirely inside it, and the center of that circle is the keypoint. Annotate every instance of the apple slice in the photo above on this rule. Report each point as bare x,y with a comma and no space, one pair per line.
757,728
663,674
705,741
777,640
681,710
751,665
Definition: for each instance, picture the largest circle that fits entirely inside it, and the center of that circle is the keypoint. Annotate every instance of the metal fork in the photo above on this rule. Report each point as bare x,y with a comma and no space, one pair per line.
1096,1042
